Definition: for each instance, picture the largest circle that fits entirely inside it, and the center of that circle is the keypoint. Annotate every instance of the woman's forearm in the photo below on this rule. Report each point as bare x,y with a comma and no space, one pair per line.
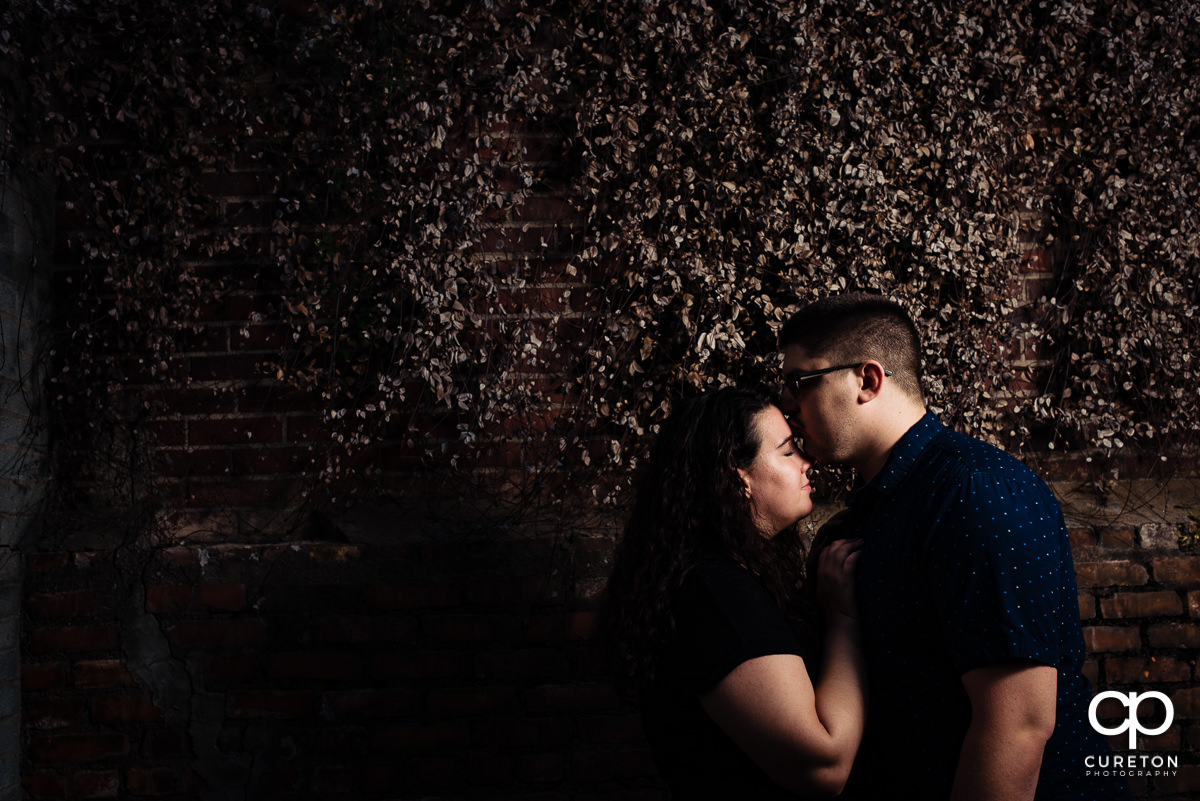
841,691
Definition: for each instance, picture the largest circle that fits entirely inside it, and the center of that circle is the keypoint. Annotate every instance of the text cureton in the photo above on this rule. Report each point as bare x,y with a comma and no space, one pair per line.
1131,761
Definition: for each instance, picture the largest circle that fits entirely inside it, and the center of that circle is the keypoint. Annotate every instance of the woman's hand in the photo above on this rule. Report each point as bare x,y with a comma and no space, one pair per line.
835,577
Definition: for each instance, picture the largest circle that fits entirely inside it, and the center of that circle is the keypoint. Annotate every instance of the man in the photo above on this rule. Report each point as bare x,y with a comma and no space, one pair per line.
966,586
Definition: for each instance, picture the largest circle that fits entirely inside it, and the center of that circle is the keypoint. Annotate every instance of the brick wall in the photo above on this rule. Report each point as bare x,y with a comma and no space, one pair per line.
1139,598
433,668
417,669
250,650
25,227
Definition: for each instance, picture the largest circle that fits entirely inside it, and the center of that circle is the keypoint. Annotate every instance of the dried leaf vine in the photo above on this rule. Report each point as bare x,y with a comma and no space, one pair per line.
726,162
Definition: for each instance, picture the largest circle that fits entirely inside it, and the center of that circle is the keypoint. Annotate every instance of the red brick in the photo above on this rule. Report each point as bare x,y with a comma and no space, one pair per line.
218,633
235,431
611,729
437,736
306,428
426,594
1081,536
284,779
209,339
534,663
1087,606
1184,781
1193,601
52,713
58,749
65,604
371,703
167,432
471,700
1141,604
431,773
321,665
560,627
96,784
419,665
166,743
272,459
331,779
1038,260
43,562
1111,638
524,732
236,184
601,766
124,708
271,338
235,668
1169,740
159,780
470,628
1177,569
542,768
489,768
100,674
267,704
76,639
363,629
44,784
1186,703
1143,670
168,600
385,777
37,676
572,698
1111,574
1091,671
1118,537
1174,635
500,592
197,399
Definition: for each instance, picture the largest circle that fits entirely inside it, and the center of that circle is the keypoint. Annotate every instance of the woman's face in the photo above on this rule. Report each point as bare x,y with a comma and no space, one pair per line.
777,479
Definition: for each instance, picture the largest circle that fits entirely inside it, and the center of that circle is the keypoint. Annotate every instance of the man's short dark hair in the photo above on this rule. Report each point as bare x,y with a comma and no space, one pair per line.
856,327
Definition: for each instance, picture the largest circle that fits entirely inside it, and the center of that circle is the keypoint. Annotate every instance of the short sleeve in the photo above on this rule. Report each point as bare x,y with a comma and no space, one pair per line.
724,617
994,563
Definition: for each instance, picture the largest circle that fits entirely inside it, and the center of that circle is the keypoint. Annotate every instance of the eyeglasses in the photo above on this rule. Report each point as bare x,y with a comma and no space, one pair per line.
794,380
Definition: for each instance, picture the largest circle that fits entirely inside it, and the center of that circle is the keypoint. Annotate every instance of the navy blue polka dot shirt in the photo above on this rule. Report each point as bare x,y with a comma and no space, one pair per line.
965,563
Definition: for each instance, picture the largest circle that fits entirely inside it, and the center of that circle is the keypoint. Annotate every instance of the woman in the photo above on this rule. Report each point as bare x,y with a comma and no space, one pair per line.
743,693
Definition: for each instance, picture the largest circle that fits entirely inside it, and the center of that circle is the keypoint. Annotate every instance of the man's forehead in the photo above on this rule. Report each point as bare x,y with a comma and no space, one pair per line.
796,357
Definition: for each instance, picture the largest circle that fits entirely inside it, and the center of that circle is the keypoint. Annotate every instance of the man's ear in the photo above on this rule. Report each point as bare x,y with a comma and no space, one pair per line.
873,375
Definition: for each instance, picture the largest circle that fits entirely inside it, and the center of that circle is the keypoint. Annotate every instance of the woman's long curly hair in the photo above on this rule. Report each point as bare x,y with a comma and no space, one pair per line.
692,505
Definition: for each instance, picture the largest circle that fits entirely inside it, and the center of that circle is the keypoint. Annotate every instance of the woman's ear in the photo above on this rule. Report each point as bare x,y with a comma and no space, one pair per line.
745,477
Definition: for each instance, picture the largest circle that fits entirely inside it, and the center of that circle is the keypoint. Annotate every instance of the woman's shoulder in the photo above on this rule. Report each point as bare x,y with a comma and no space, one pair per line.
726,578
726,590
724,616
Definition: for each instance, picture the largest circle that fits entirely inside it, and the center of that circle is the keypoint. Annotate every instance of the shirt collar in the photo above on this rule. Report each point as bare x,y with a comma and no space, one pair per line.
905,454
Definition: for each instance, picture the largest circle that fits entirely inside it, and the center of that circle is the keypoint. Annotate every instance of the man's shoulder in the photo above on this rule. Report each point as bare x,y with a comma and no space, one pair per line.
970,457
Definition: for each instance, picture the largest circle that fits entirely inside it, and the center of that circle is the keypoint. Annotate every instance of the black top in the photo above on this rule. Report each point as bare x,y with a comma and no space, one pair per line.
723,617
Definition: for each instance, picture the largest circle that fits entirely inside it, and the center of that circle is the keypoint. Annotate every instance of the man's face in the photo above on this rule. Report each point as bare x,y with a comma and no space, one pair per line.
821,410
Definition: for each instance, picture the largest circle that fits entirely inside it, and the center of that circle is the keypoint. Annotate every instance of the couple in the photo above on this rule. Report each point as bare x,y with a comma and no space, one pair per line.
948,582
